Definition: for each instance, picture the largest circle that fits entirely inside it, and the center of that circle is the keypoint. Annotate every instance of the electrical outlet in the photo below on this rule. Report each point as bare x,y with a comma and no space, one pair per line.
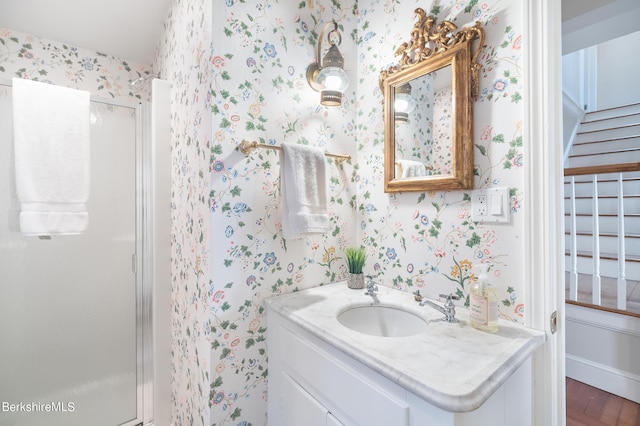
479,205
490,205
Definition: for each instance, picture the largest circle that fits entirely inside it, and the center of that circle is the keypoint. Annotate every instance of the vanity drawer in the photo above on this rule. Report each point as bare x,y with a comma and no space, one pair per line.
339,387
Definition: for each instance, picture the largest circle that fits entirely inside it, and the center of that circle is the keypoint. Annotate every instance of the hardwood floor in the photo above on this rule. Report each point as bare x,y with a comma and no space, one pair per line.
588,406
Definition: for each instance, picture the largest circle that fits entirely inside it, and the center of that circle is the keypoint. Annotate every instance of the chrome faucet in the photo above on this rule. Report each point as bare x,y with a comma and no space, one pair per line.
371,287
449,309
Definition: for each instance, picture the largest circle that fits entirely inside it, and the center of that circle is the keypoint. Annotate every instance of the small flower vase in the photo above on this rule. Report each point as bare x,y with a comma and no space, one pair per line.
355,281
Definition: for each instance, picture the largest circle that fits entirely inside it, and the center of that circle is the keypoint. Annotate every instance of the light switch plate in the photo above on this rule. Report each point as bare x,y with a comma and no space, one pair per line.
490,205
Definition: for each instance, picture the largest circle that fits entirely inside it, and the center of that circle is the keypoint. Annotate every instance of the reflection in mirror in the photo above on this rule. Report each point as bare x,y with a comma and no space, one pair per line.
423,129
428,108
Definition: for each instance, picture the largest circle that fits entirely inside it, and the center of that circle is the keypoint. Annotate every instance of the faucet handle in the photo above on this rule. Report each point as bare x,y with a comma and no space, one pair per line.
450,296
449,307
371,285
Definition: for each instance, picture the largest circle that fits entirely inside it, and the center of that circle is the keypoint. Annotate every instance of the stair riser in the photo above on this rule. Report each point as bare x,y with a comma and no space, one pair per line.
608,268
607,244
608,146
609,188
605,205
603,159
613,112
607,224
623,132
610,123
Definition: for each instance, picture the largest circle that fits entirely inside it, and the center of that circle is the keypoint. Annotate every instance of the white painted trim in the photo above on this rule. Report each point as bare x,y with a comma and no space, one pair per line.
607,378
575,114
160,206
610,321
543,208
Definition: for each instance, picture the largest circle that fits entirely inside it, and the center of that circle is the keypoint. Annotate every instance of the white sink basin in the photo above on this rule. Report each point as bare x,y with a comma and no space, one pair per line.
379,320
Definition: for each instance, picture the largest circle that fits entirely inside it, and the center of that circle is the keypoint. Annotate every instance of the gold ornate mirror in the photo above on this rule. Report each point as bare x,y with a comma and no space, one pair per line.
428,108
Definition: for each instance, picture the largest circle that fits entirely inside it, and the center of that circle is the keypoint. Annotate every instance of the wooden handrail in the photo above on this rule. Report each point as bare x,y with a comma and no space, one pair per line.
607,168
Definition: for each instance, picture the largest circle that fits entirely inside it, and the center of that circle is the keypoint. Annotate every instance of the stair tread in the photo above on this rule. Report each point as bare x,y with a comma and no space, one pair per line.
603,234
613,117
606,129
608,256
603,214
608,197
610,139
595,154
619,111
628,179
619,107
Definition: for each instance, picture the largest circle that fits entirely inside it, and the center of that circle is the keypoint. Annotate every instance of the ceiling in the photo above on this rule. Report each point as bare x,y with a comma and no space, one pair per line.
127,29
131,29
574,8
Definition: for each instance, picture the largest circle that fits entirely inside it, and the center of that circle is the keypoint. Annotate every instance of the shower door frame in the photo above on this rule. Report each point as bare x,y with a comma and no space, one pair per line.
141,262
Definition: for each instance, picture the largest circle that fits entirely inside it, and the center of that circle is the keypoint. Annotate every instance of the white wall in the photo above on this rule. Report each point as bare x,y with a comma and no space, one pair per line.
572,83
618,65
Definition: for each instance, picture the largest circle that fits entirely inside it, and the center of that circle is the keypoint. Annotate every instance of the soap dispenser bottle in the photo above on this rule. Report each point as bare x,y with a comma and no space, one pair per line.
483,303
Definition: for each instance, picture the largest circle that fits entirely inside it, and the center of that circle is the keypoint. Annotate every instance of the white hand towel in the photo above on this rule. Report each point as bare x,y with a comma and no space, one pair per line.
410,168
303,184
51,137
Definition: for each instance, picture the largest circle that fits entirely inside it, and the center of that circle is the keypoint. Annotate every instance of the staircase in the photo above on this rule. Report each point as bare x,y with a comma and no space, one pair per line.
602,201
607,137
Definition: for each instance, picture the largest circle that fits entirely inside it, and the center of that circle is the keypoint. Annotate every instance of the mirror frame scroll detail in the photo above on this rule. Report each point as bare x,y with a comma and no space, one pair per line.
432,47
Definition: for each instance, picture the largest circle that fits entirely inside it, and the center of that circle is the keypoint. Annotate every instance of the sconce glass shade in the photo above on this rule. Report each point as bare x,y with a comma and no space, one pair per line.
333,81
403,104
330,79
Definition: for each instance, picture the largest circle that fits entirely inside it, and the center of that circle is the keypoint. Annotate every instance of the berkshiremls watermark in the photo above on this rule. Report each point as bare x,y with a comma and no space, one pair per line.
38,407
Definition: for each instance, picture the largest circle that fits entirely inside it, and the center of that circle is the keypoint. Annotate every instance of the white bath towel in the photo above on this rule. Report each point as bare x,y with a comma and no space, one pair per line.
51,138
410,168
303,184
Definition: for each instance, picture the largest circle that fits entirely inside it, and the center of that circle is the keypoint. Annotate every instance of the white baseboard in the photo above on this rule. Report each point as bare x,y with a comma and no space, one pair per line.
612,380
601,348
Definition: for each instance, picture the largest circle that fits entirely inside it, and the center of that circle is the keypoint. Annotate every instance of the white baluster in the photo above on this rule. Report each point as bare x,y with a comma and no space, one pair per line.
573,235
595,284
622,281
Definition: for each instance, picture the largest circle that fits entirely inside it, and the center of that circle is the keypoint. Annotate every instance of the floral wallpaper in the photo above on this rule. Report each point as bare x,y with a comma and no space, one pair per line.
426,241
183,57
259,92
441,159
26,56
415,241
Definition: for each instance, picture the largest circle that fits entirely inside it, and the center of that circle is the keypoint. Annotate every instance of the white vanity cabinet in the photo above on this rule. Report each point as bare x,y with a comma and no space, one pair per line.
299,407
315,379
307,373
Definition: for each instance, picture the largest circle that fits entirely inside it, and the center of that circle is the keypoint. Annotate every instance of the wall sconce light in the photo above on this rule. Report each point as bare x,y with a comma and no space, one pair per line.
328,77
403,103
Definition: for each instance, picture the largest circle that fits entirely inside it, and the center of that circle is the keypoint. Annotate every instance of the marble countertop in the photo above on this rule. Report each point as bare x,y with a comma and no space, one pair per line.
451,365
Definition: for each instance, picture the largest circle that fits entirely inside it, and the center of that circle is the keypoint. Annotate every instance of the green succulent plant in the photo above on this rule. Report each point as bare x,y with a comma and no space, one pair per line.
355,259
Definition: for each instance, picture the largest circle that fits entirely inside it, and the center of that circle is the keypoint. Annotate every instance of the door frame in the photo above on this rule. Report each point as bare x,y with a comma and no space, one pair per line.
543,242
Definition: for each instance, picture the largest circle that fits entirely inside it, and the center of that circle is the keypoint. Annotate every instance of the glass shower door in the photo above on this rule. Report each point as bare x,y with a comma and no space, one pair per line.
70,349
